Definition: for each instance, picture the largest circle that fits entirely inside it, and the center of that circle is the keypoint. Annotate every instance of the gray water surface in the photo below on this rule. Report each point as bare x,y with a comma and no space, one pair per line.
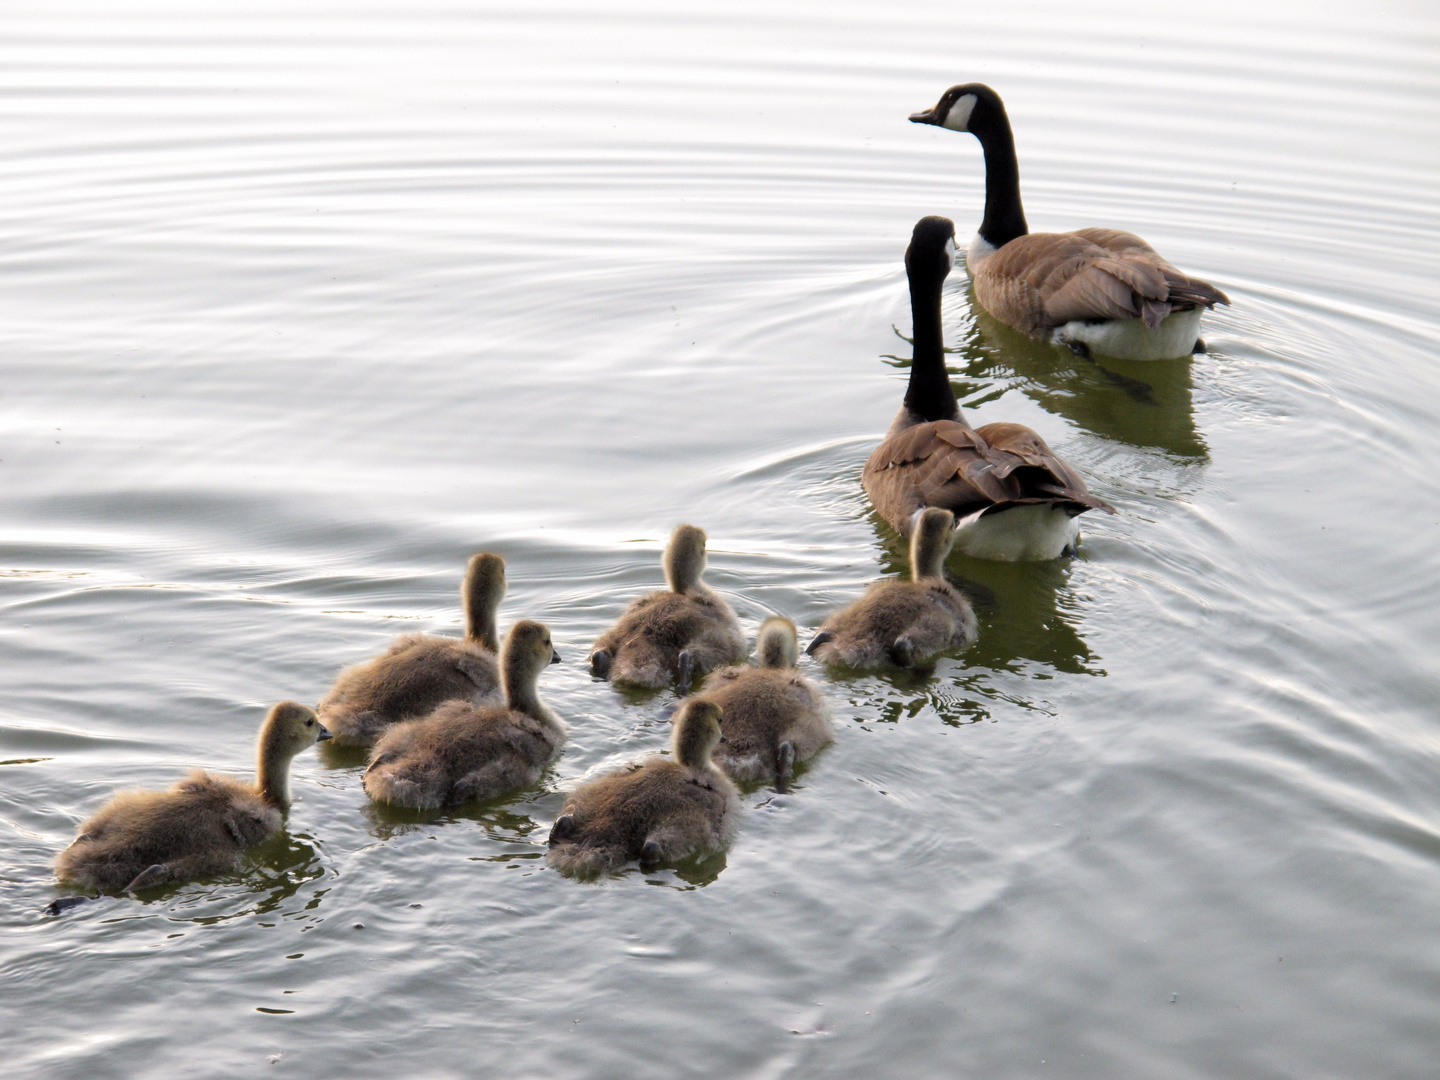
303,304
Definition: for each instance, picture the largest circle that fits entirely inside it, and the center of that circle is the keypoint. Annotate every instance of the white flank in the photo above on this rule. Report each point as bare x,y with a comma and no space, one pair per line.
1023,534
1131,339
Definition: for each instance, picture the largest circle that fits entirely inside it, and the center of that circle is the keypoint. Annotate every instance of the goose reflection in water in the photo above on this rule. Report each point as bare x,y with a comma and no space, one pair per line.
1143,403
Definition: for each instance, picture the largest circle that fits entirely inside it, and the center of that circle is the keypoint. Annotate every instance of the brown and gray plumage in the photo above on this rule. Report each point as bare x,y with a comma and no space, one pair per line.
462,752
1042,281
1099,290
198,828
774,717
658,810
903,622
671,636
420,671
1013,496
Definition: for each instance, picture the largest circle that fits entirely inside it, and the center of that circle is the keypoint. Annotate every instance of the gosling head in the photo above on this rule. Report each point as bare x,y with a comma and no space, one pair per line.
685,558
480,595
777,647
528,651
972,107
697,733
931,254
930,542
289,728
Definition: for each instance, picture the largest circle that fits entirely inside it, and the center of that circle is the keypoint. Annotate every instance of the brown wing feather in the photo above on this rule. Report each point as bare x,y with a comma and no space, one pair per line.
1090,292
1016,448
1043,280
1191,292
947,463
1115,241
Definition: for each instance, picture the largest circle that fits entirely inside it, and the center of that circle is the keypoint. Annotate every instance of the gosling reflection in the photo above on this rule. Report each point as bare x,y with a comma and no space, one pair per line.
283,866
338,755
957,701
1144,404
504,820
695,872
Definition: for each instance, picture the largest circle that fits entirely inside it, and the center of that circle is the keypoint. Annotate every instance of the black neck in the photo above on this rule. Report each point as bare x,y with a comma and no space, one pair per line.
929,395
1004,216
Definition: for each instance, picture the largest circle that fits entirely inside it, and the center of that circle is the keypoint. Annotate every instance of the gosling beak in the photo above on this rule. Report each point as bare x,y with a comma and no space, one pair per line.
554,656
926,117
323,734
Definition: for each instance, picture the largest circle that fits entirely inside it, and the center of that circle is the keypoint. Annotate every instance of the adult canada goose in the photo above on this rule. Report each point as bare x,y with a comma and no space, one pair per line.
1099,290
420,671
199,827
903,622
657,810
1012,497
462,752
774,717
672,635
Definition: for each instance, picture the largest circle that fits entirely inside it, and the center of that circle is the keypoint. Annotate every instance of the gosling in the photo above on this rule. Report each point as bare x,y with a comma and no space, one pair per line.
659,810
200,827
674,635
903,622
774,717
421,671
462,752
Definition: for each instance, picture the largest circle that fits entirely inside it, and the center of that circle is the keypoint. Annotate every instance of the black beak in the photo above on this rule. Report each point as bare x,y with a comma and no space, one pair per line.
926,117
324,734
554,656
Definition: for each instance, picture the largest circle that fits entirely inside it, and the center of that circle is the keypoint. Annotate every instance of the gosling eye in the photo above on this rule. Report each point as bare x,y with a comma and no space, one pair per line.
309,723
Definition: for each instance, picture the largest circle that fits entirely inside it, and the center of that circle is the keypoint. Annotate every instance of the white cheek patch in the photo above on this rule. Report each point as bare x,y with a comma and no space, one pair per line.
958,118
950,251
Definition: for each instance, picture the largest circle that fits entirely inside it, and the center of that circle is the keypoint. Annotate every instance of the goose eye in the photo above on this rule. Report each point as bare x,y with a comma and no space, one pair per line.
309,723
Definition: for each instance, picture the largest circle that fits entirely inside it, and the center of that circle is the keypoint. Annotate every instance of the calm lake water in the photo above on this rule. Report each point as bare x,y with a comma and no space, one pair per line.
303,304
